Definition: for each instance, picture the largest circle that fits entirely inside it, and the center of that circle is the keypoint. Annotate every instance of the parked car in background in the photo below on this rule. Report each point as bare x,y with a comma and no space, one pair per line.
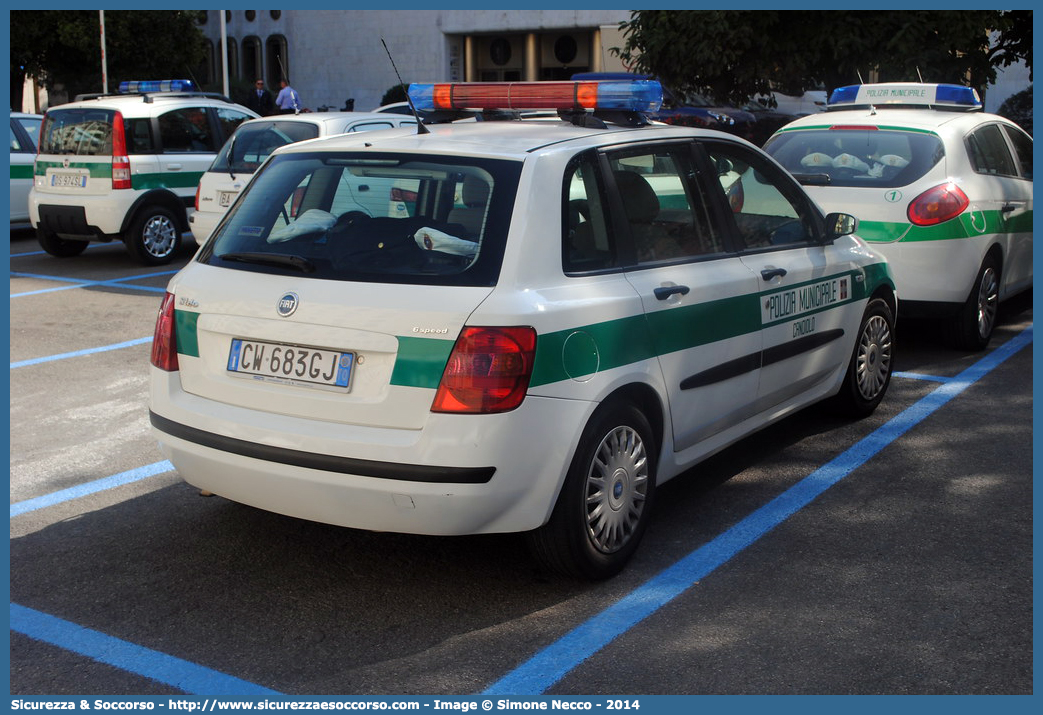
25,129
254,140
941,188
125,166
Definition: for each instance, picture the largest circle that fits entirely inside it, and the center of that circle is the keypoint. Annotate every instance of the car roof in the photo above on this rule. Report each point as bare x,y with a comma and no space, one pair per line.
143,104
24,115
515,139
938,121
327,117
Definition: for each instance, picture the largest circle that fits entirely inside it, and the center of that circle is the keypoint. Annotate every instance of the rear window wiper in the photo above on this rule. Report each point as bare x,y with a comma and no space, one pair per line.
814,179
271,259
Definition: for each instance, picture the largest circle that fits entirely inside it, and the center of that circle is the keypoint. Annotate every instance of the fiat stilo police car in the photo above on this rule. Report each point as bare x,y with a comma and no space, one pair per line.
940,188
126,166
572,311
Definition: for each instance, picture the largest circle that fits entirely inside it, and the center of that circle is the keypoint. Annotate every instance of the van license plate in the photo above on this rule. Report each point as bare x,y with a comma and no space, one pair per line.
291,362
76,181
225,198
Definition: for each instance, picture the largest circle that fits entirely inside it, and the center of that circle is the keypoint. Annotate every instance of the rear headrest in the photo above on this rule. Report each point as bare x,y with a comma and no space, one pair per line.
475,192
639,200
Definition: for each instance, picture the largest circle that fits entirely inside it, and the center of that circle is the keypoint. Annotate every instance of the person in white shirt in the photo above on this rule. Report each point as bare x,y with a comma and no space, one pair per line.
288,101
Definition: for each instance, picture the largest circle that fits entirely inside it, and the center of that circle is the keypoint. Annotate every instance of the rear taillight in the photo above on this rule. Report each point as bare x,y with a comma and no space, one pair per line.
164,341
937,205
120,159
197,196
488,371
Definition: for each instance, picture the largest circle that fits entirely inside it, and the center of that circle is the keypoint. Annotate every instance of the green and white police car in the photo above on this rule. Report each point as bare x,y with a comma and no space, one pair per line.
126,167
940,188
573,311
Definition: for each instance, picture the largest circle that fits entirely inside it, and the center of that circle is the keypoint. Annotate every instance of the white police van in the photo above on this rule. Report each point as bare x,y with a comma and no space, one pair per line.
573,312
126,167
940,188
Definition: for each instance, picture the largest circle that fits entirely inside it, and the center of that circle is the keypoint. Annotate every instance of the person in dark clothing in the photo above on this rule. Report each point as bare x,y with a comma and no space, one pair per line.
261,100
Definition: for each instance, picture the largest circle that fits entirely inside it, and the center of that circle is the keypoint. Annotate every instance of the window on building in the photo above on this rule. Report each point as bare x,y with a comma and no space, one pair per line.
252,67
278,60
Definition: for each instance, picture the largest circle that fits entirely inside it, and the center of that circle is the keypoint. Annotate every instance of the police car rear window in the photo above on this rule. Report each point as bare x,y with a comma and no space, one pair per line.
253,143
392,218
81,132
856,156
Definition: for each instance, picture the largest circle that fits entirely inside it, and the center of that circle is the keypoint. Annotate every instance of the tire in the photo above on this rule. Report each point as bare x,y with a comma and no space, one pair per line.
594,531
872,361
60,247
154,236
974,324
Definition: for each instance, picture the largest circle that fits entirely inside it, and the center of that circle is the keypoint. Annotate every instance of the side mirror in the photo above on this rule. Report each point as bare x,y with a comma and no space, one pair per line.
838,224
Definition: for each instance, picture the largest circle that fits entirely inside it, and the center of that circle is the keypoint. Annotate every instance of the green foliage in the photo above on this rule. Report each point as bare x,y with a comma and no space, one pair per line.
737,54
63,47
1018,109
396,94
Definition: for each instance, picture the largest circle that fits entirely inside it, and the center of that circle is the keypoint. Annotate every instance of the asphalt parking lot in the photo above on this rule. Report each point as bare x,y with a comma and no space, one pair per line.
891,555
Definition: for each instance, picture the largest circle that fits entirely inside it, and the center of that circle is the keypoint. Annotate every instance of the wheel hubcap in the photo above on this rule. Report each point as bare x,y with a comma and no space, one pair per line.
158,236
616,489
874,357
988,298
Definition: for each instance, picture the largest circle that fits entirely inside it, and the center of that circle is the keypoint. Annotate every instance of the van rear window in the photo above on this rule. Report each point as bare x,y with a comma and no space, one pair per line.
389,218
81,132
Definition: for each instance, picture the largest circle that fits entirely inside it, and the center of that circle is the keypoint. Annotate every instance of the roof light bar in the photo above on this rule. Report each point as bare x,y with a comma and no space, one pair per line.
950,95
157,85
626,95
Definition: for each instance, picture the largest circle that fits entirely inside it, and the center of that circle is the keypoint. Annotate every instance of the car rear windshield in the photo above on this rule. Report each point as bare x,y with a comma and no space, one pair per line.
251,144
392,218
81,132
856,156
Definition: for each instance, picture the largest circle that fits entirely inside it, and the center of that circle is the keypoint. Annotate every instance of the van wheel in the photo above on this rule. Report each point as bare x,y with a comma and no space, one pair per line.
606,500
977,317
154,236
60,247
869,372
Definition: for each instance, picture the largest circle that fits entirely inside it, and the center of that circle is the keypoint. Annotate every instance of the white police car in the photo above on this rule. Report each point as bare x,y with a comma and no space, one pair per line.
254,140
940,188
25,128
572,312
126,167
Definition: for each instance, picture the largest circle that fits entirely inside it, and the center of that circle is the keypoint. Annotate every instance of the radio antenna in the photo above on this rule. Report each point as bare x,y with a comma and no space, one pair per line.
420,128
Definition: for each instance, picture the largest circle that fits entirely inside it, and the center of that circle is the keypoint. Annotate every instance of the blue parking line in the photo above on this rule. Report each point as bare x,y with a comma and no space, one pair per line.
920,376
98,485
163,668
81,283
81,353
555,661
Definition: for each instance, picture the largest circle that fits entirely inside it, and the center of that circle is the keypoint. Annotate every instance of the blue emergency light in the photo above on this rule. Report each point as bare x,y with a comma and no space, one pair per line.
157,85
907,94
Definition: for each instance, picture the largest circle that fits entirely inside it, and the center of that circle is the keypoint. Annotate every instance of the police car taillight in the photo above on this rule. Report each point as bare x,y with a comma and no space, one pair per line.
487,372
164,340
625,95
120,159
937,205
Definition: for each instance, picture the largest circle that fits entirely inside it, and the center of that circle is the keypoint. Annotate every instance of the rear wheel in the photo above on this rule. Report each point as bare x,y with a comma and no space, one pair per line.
154,236
977,317
869,372
605,502
60,247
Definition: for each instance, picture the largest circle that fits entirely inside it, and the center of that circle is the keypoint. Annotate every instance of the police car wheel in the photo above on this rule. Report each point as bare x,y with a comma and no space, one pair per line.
605,503
977,317
60,247
154,236
869,372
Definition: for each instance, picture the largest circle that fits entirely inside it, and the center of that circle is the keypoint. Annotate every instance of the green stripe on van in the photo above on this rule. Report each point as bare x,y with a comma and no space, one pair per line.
166,180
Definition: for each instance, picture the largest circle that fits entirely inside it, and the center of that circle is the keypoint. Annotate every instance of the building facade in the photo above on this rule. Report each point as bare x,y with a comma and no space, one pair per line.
331,56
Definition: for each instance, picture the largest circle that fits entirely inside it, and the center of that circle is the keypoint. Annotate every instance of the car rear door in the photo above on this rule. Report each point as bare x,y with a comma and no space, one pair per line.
698,298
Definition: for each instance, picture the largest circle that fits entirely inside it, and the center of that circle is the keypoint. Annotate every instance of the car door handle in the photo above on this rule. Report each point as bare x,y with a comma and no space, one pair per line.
664,292
174,167
769,273
1007,208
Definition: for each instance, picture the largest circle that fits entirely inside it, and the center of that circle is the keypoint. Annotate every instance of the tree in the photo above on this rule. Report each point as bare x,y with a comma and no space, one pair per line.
737,54
63,47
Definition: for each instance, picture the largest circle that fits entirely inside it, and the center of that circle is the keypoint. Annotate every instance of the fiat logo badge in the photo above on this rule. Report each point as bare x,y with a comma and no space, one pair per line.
288,304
